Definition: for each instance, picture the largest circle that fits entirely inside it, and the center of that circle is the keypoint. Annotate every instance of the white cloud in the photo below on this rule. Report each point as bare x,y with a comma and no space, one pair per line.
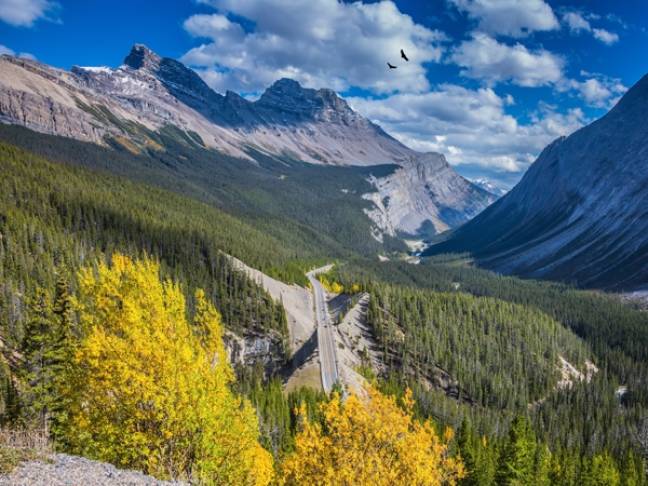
598,90
577,23
605,36
469,126
212,26
6,50
317,42
23,13
515,18
594,91
10,52
248,44
483,57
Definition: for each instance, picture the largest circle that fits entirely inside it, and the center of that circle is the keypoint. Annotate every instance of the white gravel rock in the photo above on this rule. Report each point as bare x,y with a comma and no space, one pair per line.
65,470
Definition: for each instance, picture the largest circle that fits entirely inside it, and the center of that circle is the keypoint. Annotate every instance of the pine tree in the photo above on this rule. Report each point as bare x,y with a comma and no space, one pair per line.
600,470
10,406
60,351
632,470
479,457
37,372
564,469
542,466
516,464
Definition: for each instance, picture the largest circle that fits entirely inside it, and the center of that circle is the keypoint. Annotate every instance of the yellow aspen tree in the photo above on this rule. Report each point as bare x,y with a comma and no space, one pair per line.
370,441
149,390
336,288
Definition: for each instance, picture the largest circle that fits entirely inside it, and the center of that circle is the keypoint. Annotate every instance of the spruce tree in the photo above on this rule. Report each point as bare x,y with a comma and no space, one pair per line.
516,464
36,372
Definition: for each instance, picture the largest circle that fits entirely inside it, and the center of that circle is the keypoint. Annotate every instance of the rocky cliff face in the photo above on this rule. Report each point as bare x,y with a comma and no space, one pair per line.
148,92
43,99
256,349
580,213
423,197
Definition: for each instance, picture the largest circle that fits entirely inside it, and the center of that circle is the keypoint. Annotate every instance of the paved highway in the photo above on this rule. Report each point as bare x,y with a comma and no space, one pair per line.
325,338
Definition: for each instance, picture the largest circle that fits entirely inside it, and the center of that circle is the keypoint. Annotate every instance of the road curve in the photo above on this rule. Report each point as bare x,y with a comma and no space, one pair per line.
325,337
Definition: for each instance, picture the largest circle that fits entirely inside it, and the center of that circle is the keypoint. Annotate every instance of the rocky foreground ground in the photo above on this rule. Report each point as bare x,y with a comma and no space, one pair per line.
65,470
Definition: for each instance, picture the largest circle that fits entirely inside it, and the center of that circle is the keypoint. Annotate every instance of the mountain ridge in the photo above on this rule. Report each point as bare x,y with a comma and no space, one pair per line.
129,104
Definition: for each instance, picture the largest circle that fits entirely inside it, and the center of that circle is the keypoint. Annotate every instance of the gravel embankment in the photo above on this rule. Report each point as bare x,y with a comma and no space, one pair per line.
65,470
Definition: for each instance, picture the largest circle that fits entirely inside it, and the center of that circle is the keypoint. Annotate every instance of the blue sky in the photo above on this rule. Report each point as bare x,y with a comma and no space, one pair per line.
489,82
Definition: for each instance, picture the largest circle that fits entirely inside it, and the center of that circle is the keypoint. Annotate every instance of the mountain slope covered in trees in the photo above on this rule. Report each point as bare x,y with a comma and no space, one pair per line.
308,205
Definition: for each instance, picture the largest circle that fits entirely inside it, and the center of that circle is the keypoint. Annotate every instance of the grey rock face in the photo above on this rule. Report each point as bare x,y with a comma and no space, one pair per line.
66,470
141,57
255,348
317,126
424,197
47,116
580,213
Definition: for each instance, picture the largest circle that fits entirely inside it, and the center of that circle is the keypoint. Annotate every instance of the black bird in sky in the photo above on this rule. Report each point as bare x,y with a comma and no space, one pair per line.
403,55
391,67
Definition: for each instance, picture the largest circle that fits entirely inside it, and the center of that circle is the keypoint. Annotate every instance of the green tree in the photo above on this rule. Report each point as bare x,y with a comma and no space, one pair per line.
516,464
36,371
632,470
600,470
542,466
478,455
564,469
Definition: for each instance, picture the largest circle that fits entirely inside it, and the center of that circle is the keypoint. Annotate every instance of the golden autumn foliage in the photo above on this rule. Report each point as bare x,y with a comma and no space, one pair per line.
149,390
332,286
371,441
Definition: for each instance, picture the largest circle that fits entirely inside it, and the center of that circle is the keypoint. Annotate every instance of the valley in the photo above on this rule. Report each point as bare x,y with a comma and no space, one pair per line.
326,343
270,257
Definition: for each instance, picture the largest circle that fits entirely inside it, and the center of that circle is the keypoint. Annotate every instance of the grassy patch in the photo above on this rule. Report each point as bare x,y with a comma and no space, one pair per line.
17,446
11,457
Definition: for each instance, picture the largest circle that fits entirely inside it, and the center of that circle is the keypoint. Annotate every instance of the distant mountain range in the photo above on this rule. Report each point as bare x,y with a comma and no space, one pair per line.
494,187
127,106
580,213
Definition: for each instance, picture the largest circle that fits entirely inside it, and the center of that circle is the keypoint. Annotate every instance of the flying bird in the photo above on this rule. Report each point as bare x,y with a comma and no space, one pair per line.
391,67
403,55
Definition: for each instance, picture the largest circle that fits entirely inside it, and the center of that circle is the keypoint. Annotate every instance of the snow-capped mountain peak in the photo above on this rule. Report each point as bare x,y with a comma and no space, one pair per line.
490,185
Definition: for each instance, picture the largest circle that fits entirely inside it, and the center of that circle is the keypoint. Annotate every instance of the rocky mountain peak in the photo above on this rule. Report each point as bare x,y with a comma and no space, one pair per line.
182,82
638,92
632,107
141,57
286,85
287,96
285,92
179,78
